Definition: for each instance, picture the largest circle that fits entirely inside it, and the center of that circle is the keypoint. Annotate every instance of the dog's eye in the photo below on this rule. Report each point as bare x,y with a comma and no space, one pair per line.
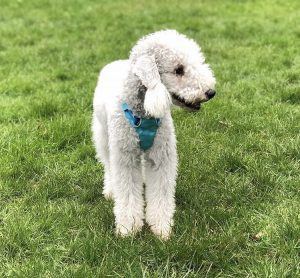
179,70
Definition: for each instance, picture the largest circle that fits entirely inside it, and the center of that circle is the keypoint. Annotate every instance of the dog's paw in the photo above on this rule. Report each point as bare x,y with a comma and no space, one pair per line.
108,194
160,224
162,231
127,230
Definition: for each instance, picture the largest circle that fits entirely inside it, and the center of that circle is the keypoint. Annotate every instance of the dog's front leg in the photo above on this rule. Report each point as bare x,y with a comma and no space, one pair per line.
127,183
160,179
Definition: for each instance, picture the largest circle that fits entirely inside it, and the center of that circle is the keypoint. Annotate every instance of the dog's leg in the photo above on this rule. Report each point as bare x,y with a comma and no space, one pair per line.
160,178
128,191
100,138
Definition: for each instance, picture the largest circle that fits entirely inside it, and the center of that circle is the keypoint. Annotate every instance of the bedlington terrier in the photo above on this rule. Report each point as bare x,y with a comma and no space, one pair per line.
133,131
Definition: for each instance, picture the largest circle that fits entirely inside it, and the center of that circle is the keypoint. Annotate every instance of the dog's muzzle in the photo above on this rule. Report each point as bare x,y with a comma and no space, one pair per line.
194,106
179,101
210,94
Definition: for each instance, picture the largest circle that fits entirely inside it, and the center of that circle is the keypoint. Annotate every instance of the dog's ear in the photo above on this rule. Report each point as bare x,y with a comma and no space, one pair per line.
145,68
157,99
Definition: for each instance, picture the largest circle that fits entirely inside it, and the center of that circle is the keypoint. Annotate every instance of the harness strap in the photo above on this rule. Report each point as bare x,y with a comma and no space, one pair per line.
144,127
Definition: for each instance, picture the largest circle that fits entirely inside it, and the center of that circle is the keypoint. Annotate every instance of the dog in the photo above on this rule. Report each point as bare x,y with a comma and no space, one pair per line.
133,130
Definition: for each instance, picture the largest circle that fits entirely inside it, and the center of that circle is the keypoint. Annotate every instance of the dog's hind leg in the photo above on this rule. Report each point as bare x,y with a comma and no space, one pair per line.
100,139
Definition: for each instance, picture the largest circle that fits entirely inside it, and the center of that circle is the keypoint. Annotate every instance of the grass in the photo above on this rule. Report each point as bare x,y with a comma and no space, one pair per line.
238,189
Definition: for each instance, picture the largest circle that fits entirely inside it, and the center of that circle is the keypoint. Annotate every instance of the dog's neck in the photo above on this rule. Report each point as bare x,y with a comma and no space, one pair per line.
134,94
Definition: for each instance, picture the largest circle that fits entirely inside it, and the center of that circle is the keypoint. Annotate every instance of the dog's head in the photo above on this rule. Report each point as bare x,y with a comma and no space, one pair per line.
173,69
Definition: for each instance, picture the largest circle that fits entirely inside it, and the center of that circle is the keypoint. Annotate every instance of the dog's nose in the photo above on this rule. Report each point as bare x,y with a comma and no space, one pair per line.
210,93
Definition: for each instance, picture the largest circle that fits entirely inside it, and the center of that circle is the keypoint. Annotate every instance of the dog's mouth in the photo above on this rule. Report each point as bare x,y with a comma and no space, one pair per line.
177,100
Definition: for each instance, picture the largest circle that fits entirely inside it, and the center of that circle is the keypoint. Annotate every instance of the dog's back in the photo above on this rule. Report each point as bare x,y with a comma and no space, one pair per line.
110,86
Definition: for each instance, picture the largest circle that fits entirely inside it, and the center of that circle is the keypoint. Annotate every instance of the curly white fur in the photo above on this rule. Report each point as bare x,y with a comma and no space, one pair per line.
163,67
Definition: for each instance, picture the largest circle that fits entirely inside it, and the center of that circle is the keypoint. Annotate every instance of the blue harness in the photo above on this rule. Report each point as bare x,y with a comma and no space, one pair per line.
145,128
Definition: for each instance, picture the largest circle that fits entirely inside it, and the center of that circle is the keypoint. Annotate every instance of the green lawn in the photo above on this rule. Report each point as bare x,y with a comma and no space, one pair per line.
238,187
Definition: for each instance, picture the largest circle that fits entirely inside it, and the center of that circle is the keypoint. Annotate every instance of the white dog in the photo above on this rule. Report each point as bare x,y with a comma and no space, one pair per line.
133,130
